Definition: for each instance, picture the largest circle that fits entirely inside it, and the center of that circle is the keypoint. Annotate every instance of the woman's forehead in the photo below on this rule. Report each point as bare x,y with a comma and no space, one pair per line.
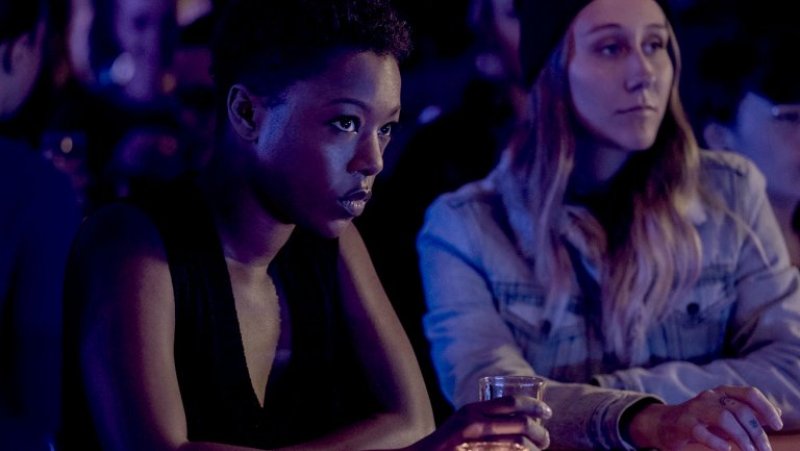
619,13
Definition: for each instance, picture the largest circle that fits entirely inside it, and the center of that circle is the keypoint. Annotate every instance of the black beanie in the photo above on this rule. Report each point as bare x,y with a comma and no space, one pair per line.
542,26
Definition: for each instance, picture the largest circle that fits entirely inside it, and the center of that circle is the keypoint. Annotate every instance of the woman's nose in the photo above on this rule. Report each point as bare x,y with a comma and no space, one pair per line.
641,74
368,158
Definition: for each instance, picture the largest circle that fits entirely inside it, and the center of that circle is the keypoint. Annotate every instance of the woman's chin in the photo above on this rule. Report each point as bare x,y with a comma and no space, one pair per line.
333,229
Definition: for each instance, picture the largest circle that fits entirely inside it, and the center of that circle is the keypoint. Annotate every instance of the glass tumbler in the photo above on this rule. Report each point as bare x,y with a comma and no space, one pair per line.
491,387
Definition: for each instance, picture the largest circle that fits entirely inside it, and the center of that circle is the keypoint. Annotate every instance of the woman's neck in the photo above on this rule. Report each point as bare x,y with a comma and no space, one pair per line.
250,235
595,168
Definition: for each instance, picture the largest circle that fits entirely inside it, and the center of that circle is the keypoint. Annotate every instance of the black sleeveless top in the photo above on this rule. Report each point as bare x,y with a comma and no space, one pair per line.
321,388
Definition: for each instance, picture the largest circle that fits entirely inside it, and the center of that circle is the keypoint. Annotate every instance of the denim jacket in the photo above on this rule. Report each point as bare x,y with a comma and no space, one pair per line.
738,325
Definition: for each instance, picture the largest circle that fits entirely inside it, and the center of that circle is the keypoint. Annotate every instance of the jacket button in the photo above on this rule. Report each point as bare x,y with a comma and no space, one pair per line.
692,308
545,328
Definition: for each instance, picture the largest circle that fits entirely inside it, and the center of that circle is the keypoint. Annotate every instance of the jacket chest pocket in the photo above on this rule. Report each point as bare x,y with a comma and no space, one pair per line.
556,351
696,330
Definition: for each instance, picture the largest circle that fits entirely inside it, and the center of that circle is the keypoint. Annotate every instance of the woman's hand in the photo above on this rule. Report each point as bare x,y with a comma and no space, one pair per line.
715,418
514,418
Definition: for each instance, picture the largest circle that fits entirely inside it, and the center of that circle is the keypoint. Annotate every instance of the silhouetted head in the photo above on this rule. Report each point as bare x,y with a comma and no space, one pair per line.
22,24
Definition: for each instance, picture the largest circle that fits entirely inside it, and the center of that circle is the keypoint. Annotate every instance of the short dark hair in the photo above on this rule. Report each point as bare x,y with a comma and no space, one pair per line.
730,68
268,45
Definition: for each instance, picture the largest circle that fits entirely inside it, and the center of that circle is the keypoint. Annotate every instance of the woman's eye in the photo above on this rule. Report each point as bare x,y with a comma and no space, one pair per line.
387,129
346,124
610,49
653,46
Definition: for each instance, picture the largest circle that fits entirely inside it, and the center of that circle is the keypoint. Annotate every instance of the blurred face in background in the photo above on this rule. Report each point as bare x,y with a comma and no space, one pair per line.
769,134
23,56
144,30
506,29
497,29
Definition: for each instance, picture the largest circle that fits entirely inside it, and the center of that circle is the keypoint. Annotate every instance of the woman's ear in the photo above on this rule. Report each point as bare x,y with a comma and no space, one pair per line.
718,136
242,112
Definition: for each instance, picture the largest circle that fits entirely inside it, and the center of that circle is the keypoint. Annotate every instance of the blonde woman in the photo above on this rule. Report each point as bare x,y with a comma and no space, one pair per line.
646,278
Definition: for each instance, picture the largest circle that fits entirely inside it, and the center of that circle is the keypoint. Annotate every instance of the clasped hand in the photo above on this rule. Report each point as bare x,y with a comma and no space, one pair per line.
714,418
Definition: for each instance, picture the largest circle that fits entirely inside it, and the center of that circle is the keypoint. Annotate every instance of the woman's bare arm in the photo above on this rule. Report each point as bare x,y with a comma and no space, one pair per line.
127,335
384,348
128,365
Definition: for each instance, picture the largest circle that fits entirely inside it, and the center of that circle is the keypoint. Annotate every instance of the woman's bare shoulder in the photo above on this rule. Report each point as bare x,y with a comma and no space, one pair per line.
117,251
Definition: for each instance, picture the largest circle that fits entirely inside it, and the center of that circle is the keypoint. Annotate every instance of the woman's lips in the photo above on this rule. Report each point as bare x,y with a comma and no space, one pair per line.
638,109
355,201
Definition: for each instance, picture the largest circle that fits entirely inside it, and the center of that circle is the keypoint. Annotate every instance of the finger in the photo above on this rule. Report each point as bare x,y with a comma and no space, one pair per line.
747,420
529,445
516,442
766,412
728,425
521,443
514,426
517,425
508,405
702,435
537,434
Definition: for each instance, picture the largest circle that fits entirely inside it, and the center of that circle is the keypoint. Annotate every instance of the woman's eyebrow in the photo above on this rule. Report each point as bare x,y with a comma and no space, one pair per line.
602,27
363,105
616,26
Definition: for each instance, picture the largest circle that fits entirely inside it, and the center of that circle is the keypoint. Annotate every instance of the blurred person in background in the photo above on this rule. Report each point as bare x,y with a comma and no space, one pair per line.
38,218
123,104
131,46
744,91
37,101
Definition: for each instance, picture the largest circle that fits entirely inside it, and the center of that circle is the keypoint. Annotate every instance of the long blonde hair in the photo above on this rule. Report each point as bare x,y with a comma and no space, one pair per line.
654,253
